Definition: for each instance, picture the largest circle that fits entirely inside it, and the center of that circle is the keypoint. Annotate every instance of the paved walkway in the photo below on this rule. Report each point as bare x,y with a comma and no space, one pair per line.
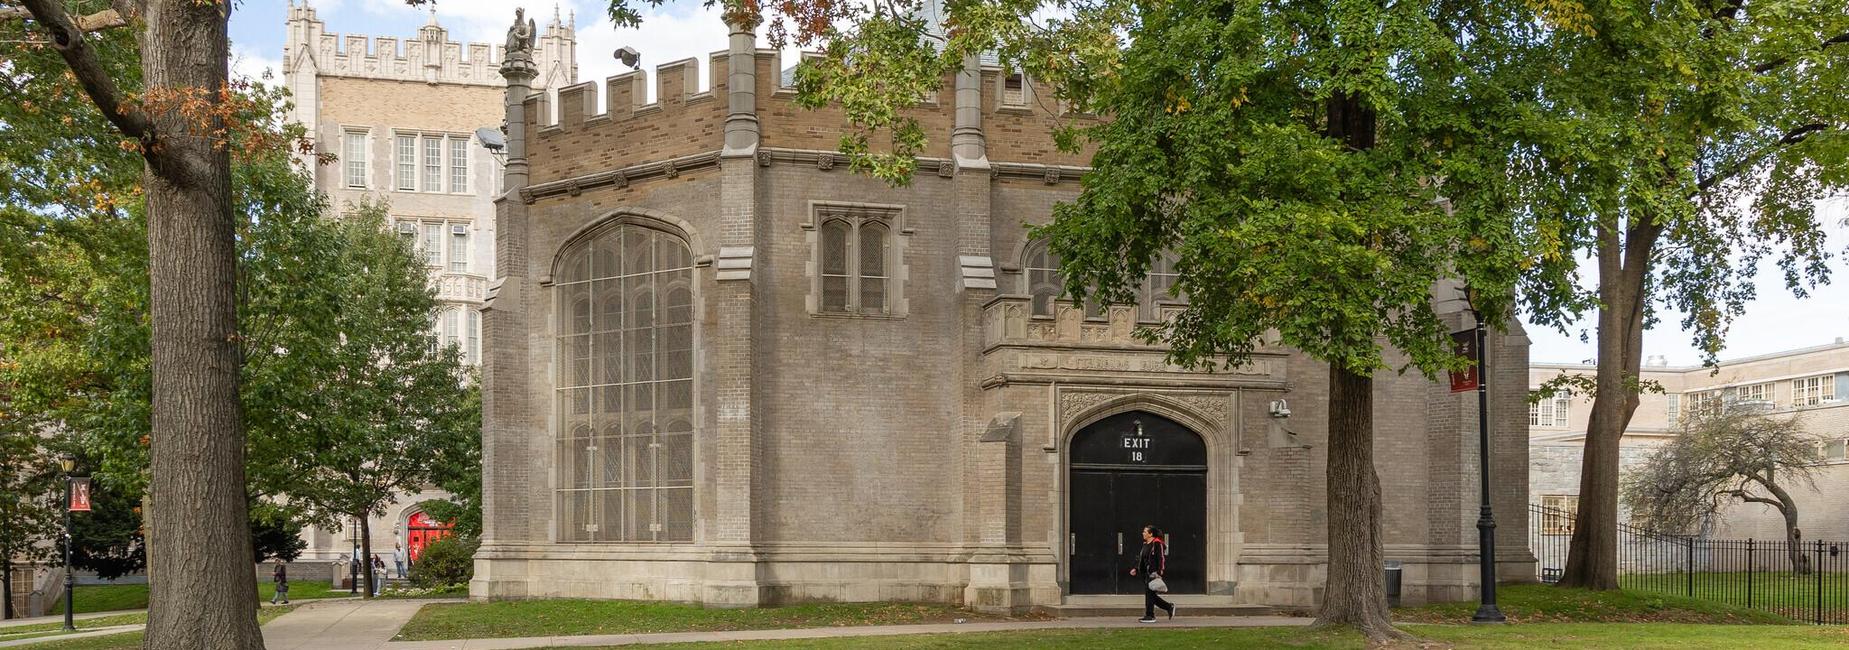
355,624
836,632
59,618
100,631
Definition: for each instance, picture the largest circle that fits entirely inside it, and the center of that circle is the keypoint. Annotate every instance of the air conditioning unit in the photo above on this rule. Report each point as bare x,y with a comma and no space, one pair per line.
458,229
407,228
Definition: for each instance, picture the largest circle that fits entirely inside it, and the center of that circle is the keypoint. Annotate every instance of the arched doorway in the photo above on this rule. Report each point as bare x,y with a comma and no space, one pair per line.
420,531
1126,471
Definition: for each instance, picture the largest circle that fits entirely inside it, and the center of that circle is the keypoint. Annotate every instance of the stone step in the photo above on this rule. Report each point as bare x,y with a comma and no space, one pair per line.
1132,606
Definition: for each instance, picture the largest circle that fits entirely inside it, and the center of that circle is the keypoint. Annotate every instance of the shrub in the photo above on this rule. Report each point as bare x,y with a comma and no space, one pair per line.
447,561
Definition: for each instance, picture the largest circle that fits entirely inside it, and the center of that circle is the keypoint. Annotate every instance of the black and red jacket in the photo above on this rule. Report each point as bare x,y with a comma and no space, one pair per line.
1153,559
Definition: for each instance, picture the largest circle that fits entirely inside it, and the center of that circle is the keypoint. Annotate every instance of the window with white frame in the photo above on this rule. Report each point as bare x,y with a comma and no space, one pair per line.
437,242
624,389
433,163
1558,512
353,154
407,163
458,247
1672,407
1812,391
1549,412
426,161
1704,403
458,165
452,327
1753,393
855,251
472,334
1833,450
432,243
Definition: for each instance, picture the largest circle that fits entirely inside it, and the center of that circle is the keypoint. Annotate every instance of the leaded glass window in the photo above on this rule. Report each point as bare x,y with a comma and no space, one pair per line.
625,388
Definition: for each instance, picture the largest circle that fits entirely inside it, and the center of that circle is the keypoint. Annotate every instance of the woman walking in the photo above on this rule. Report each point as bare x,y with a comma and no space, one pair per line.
1151,564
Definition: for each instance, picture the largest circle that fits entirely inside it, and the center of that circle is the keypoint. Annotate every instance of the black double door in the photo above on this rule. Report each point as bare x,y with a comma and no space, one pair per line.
1129,471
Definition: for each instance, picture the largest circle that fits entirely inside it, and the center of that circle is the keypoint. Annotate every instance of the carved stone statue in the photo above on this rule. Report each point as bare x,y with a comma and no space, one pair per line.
520,35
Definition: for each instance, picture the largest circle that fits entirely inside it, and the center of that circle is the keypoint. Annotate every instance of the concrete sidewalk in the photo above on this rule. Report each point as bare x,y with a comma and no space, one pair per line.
832,633
350,623
59,618
101,631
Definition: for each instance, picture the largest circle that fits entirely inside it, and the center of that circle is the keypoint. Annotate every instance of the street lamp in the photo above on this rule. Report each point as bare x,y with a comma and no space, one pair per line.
1487,611
353,533
68,462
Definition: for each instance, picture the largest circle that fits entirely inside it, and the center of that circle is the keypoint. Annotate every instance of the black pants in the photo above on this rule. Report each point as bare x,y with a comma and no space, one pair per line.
1152,600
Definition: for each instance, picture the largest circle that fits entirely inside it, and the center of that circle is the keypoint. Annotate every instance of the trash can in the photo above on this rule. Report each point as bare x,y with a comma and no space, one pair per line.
1393,583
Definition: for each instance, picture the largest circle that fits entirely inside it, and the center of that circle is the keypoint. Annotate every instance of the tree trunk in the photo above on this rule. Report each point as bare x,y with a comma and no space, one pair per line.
203,595
1592,557
6,585
366,554
1794,538
1354,594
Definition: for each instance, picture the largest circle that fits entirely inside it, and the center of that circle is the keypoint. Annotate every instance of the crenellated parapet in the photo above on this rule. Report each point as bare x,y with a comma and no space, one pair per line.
594,129
429,56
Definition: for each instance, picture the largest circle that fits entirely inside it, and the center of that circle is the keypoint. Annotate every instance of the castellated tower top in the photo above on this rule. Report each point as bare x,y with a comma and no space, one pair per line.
429,56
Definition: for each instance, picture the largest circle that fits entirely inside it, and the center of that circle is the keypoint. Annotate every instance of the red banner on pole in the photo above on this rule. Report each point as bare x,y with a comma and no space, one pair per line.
80,495
1465,343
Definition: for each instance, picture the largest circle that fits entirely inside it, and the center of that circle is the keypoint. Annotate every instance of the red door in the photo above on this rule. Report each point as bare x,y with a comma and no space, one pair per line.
422,531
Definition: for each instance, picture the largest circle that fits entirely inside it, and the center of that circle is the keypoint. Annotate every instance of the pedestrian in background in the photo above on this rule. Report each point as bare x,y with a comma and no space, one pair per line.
281,577
398,558
1152,562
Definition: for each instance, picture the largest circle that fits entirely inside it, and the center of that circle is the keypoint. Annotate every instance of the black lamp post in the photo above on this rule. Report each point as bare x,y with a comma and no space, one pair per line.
1487,611
68,463
353,533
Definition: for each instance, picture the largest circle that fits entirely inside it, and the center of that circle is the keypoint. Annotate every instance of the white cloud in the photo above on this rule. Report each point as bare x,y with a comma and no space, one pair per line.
253,64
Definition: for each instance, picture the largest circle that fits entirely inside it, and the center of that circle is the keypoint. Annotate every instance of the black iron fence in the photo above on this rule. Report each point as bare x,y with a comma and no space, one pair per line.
1806,581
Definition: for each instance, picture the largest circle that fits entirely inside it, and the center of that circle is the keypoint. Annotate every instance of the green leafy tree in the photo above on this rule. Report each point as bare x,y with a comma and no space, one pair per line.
378,407
108,539
459,472
1679,145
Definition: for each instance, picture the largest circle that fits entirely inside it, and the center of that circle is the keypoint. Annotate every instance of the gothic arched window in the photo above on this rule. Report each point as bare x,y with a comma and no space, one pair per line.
1040,268
625,368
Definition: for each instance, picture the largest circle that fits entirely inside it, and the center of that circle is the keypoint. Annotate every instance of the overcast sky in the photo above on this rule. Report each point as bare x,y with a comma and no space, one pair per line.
684,29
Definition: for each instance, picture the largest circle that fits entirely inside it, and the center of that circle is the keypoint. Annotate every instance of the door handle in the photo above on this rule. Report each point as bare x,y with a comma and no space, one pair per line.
1120,542
1072,543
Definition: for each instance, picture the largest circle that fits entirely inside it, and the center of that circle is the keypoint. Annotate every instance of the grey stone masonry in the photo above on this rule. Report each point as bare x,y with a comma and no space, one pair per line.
878,410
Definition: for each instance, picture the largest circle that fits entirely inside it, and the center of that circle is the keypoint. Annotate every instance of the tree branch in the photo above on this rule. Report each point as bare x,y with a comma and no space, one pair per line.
1839,39
106,19
1791,137
68,39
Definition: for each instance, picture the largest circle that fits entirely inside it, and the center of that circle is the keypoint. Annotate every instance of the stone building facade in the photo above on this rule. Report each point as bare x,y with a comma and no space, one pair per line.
1810,383
401,117
722,368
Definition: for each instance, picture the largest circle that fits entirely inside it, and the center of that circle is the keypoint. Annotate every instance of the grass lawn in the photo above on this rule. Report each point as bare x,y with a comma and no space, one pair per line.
1641,636
110,598
132,640
1783,592
579,617
1533,603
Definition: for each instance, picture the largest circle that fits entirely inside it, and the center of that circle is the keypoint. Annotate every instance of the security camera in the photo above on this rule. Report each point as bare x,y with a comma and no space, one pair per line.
1280,409
628,56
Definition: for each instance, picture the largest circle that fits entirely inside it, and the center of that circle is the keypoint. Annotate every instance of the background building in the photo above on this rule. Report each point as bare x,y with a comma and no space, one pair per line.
722,368
1812,383
401,115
